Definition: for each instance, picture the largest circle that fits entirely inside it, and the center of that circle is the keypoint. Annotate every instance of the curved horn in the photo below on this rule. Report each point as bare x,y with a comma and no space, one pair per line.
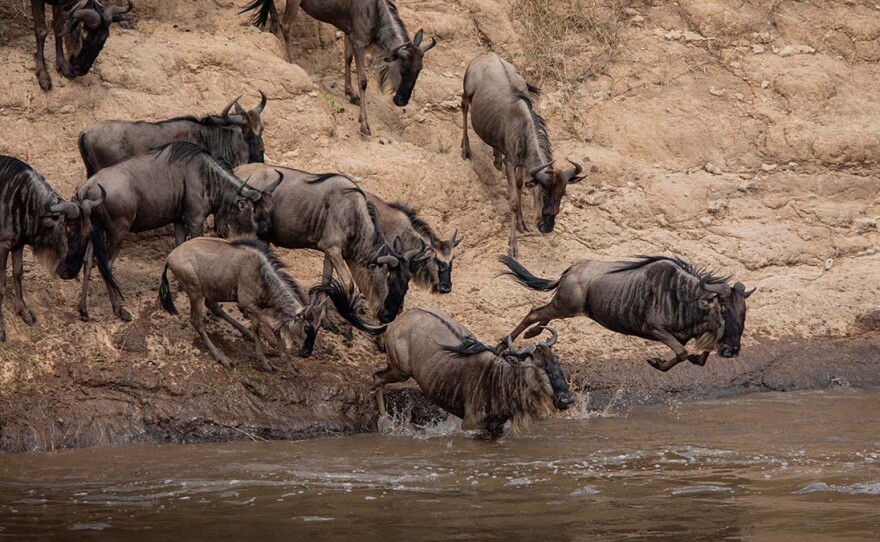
271,188
225,113
410,254
719,288
425,48
510,346
90,204
239,110
535,170
69,209
398,48
552,340
113,11
577,167
89,17
241,187
387,260
263,100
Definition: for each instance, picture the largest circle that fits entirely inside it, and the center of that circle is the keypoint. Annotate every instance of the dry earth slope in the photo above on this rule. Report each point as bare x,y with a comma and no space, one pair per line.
744,135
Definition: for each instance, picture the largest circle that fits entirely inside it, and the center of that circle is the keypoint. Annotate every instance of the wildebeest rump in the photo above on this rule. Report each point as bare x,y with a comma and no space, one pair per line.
178,184
503,116
482,385
237,138
399,220
364,23
655,297
330,213
33,214
246,272
82,26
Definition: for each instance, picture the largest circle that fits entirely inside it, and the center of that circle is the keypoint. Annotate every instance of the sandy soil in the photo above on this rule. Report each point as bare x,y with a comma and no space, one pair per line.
744,136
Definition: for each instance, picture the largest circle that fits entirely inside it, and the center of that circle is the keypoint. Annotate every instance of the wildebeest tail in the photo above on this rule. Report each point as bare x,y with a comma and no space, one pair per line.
262,9
525,277
81,143
344,302
165,293
97,238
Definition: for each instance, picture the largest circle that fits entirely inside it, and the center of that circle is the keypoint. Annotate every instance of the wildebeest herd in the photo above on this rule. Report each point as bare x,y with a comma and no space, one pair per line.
177,172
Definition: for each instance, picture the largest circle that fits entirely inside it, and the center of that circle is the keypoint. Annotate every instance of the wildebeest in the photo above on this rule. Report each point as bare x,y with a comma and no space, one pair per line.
364,23
236,138
244,271
33,214
399,220
655,297
330,213
83,24
178,184
503,116
482,385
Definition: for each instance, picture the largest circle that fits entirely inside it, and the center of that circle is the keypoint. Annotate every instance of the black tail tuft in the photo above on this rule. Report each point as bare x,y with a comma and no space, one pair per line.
344,303
165,293
262,9
524,277
81,143
97,238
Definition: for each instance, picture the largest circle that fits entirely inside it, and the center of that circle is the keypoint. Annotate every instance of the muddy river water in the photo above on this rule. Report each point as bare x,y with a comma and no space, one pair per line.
788,466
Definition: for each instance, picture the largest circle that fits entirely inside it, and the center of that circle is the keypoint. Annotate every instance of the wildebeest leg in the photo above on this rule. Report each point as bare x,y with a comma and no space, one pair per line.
520,223
88,261
513,200
497,159
337,262
197,318
114,245
40,32
349,56
179,233
4,257
218,311
680,353
388,375
361,66
542,315
465,142
258,345
17,277
58,28
699,359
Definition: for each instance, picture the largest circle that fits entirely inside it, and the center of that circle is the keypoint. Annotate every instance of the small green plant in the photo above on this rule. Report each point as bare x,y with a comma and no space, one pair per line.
335,108
444,146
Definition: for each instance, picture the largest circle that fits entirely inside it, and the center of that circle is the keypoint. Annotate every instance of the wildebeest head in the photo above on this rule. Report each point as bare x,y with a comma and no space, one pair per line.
242,218
70,225
439,263
87,30
302,329
396,264
730,304
549,183
550,381
402,67
251,123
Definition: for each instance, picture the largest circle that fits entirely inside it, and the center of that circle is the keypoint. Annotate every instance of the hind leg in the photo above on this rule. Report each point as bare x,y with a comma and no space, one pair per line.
4,256
541,316
218,311
17,276
465,142
349,89
88,261
497,159
197,318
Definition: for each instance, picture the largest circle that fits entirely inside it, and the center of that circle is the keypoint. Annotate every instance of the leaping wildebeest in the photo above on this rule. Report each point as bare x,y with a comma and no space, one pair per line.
329,212
500,102
244,271
236,138
178,184
482,385
33,214
399,220
364,23
83,26
655,298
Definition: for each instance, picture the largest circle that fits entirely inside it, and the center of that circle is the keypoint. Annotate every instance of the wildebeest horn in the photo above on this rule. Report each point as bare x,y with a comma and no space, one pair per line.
535,170
455,239
387,259
239,110
90,204
410,254
251,194
553,339
89,17
271,188
263,100
70,210
397,49
225,112
718,288
113,11
425,48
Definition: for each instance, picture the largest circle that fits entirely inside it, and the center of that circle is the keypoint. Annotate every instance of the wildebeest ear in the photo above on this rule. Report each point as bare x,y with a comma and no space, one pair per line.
530,183
398,244
417,39
749,292
706,304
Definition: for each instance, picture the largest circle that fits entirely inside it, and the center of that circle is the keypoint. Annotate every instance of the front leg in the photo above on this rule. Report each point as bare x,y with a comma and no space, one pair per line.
680,353
4,257
179,233
58,20
290,12
513,200
699,359
218,311
40,32
360,64
17,277
349,56
465,142
114,245
258,345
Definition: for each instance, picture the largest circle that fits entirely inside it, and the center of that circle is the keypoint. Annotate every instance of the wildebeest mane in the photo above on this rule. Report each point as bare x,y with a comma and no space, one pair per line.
23,183
540,125
417,223
179,152
701,273
279,266
321,177
468,346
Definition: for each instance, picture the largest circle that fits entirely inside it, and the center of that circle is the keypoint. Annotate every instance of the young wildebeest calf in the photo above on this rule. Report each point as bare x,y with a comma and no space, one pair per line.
178,184
656,298
33,214
483,386
237,139
398,220
244,271
330,213
503,117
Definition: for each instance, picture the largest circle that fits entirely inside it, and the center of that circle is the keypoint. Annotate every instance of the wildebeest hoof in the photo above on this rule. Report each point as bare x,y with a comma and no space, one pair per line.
2,335
465,153
123,315
365,130
28,317
224,361
511,251
697,359
84,315
533,332
248,336
45,81
657,363
266,366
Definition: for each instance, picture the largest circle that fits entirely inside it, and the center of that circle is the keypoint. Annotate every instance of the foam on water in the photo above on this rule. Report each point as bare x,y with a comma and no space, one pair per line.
862,488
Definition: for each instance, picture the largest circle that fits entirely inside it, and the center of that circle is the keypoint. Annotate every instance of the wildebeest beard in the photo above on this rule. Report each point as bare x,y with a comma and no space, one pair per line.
256,150
397,282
